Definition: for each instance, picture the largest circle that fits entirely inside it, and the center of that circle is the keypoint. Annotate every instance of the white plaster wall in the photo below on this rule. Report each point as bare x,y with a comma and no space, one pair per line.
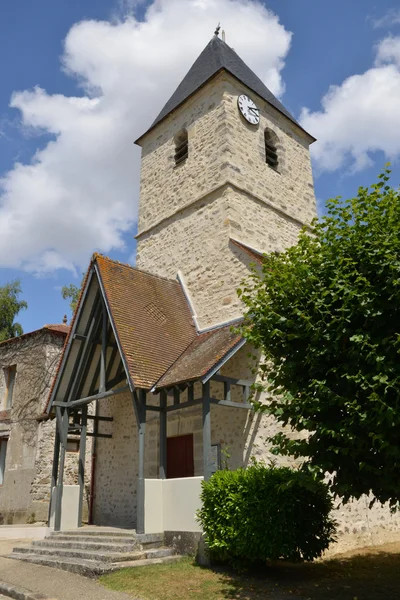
69,507
171,504
181,501
154,506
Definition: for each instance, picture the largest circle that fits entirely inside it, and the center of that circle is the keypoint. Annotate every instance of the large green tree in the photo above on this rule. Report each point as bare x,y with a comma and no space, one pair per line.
10,306
326,315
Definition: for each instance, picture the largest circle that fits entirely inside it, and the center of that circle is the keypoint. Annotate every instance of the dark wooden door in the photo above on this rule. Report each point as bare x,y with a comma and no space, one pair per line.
180,461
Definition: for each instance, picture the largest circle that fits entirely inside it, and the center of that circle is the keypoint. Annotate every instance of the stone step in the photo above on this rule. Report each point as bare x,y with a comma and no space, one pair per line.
90,568
146,539
97,532
92,539
85,545
106,557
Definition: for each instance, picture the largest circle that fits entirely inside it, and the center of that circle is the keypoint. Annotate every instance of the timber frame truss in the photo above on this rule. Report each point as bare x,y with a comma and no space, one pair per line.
98,371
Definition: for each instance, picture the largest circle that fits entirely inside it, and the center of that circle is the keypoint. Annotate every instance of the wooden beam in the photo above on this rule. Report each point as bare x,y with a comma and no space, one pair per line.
206,432
82,356
227,391
190,394
141,483
100,435
153,408
60,482
81,466
177,396
231,380
245,405
54,471
103,355
90,399
184,405
98,418
163,435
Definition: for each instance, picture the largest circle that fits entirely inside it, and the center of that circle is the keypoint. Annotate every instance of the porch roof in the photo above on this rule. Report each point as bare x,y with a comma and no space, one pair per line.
202,354
152,327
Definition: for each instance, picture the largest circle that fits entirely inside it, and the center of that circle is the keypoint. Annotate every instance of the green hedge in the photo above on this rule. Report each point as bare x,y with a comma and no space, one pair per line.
258,514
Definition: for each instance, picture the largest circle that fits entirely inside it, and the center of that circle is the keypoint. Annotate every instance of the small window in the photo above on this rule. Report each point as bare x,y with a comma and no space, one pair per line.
72,445
3,452
181,147
9,375
271,152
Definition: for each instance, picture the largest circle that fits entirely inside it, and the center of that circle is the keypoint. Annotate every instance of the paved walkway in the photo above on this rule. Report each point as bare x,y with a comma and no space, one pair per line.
54,583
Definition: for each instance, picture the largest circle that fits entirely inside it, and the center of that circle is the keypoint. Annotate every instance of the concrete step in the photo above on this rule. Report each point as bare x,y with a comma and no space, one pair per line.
90,568
107,557
84,545
92,539
99,531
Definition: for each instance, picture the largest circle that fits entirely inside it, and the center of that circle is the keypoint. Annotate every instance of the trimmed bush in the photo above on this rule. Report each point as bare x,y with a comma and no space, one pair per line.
266,513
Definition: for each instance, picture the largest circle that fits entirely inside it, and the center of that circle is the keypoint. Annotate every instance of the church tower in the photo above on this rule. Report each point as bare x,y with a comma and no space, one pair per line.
225,174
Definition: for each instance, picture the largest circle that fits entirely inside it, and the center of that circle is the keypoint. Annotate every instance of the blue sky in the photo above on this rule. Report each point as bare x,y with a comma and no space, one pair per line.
69,168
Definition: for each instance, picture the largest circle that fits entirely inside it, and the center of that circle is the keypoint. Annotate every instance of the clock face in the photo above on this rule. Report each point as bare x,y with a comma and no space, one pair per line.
249,110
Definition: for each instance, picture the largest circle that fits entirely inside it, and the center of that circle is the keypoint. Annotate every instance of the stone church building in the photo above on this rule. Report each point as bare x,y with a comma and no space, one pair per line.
225,177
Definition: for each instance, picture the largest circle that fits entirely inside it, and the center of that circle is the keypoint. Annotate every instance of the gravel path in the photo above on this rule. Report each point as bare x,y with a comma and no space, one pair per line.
54,583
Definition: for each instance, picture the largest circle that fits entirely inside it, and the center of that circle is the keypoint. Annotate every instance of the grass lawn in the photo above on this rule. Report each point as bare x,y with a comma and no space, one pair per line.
369,574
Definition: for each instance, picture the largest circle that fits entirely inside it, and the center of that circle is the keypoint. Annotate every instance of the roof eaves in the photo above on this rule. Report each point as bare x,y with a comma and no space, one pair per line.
70,337
220,363
115,331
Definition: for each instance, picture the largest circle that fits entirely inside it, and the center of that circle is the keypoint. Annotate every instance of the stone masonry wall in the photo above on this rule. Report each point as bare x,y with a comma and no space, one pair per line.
25,492
224,189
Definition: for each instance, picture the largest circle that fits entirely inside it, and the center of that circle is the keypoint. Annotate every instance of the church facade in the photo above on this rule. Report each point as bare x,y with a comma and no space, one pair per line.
225,177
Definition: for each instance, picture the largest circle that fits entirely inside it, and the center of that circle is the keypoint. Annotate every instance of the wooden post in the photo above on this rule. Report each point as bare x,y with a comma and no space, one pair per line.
140,487
63,436
163,435
206,432
54,472
82,458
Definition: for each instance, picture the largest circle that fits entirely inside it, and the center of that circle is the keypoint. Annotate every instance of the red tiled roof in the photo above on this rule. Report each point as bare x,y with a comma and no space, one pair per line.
151,317
257,256
154,327
60,329
205,351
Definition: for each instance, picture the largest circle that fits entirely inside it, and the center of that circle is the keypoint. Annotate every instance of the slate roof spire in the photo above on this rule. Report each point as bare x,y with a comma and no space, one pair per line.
218,56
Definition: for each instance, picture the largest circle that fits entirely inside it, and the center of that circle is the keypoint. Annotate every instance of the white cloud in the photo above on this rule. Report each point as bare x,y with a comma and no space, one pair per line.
360,116
80,192
392,17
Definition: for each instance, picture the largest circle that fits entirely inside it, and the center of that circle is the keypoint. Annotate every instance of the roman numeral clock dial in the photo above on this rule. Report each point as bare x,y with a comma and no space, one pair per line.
249,110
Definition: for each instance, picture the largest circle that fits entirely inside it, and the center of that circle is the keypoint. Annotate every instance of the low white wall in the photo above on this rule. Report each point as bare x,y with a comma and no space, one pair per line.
69,507
153,509
23,532
171,504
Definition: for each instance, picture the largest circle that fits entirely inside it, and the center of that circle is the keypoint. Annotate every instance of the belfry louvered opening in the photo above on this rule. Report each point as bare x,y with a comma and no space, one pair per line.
181,147
271,152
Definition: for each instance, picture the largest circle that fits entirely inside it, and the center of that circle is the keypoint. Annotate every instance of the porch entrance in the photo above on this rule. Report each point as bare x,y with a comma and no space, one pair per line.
180,458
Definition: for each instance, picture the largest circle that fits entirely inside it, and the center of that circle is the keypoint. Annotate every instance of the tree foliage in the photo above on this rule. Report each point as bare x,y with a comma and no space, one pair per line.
10,306
326,314
71,292
258,514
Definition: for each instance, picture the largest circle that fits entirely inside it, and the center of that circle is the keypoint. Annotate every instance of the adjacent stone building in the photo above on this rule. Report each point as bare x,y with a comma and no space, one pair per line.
27,367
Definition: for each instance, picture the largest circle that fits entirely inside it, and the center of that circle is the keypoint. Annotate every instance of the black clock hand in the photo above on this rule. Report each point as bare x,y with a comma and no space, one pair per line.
254,110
